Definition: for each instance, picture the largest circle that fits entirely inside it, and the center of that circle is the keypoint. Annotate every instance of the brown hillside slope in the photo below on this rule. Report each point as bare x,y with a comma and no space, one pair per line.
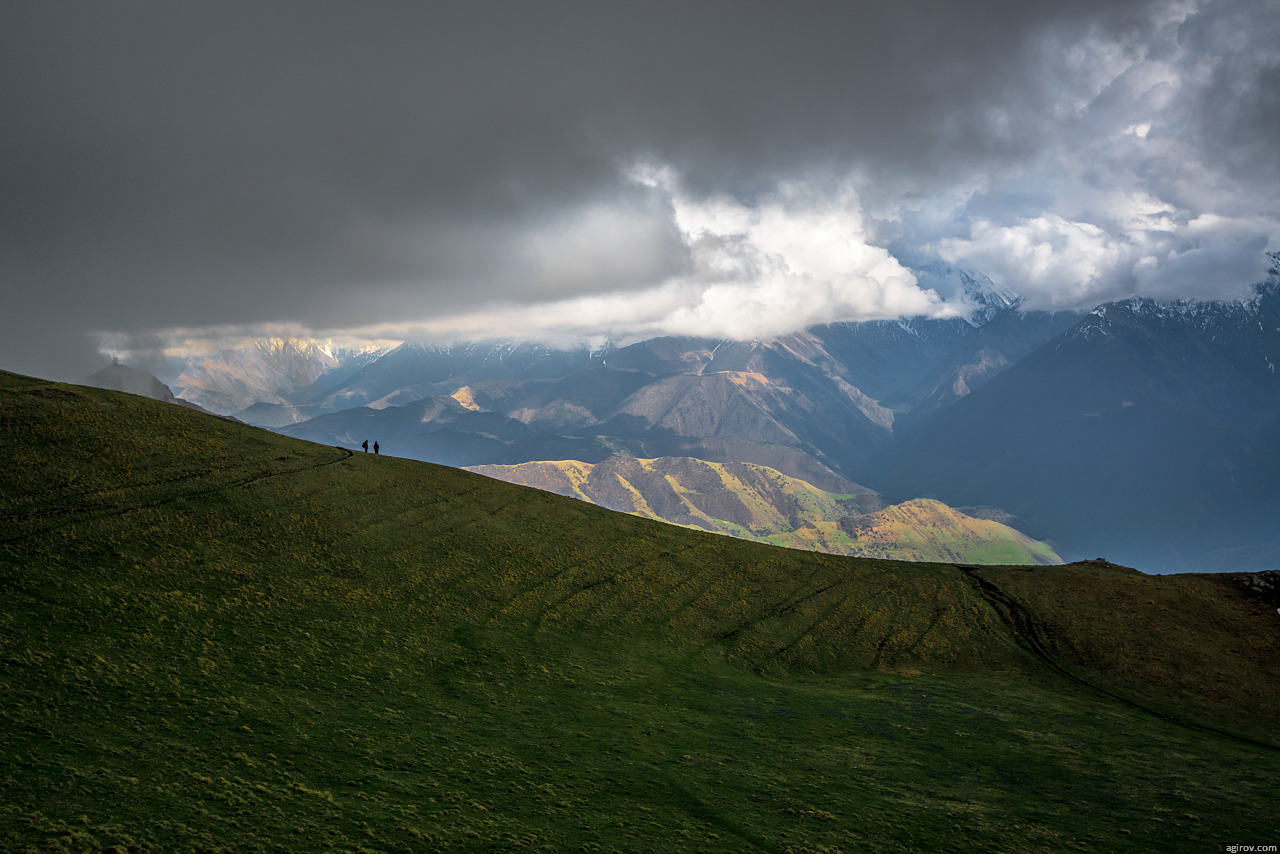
925,529
755,502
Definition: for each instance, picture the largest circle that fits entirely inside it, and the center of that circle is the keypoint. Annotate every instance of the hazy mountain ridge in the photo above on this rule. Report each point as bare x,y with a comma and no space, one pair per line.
758,503
414,371
804,393
1188,387
1149,431
118,377
1006,339
269,370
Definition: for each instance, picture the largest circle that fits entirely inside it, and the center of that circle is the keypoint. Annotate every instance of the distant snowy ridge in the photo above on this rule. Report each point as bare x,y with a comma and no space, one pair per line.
1202,313
266,371
980,298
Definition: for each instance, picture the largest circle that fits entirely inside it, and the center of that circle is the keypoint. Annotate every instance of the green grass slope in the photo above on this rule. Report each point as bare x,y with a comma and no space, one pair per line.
218,639
1220,657
758,503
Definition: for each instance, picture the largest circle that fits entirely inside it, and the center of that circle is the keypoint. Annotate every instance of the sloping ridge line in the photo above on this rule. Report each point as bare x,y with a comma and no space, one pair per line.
1016,617
99,513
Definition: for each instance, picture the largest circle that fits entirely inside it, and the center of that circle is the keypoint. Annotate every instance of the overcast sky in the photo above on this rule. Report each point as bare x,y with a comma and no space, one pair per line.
180,174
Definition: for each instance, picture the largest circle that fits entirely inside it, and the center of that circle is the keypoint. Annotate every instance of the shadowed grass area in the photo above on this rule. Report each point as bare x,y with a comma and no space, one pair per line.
1191,644
215,638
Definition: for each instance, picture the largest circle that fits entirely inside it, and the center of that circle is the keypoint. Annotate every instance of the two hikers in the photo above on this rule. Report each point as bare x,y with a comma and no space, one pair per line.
365,445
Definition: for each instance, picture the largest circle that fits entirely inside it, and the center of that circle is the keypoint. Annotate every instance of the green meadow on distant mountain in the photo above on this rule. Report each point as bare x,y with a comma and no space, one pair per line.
215,638
758,503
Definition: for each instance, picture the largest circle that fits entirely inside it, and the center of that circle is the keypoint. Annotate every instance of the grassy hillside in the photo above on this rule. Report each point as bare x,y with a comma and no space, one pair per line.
1138,654
755,502
924,529
219,639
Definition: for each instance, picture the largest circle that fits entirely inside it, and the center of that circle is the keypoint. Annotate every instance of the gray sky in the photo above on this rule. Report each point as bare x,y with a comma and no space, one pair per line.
178,174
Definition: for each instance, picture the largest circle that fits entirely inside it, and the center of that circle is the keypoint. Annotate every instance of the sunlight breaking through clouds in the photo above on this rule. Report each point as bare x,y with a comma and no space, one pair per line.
1075,152
796,258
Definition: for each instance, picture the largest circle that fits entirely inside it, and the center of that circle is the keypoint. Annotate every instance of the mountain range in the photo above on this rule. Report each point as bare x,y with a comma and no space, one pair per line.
267,377
1150,431
1144,431
834,394
118,377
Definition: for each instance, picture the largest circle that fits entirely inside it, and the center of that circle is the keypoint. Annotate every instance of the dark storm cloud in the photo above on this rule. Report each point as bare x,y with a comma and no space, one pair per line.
1238,112
330,164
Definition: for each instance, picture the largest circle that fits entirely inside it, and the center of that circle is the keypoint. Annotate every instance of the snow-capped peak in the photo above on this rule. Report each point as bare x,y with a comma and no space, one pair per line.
980,298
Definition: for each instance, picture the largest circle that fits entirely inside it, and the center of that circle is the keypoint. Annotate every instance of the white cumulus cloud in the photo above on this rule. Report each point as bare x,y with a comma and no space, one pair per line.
790,259
1132,190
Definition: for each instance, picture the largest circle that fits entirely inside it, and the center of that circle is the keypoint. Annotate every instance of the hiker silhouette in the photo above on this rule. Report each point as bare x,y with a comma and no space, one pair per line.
366,446
375,447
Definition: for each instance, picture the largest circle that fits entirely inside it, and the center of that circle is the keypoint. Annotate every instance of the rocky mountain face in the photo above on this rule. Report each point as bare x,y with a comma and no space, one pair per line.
758,503
270,371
